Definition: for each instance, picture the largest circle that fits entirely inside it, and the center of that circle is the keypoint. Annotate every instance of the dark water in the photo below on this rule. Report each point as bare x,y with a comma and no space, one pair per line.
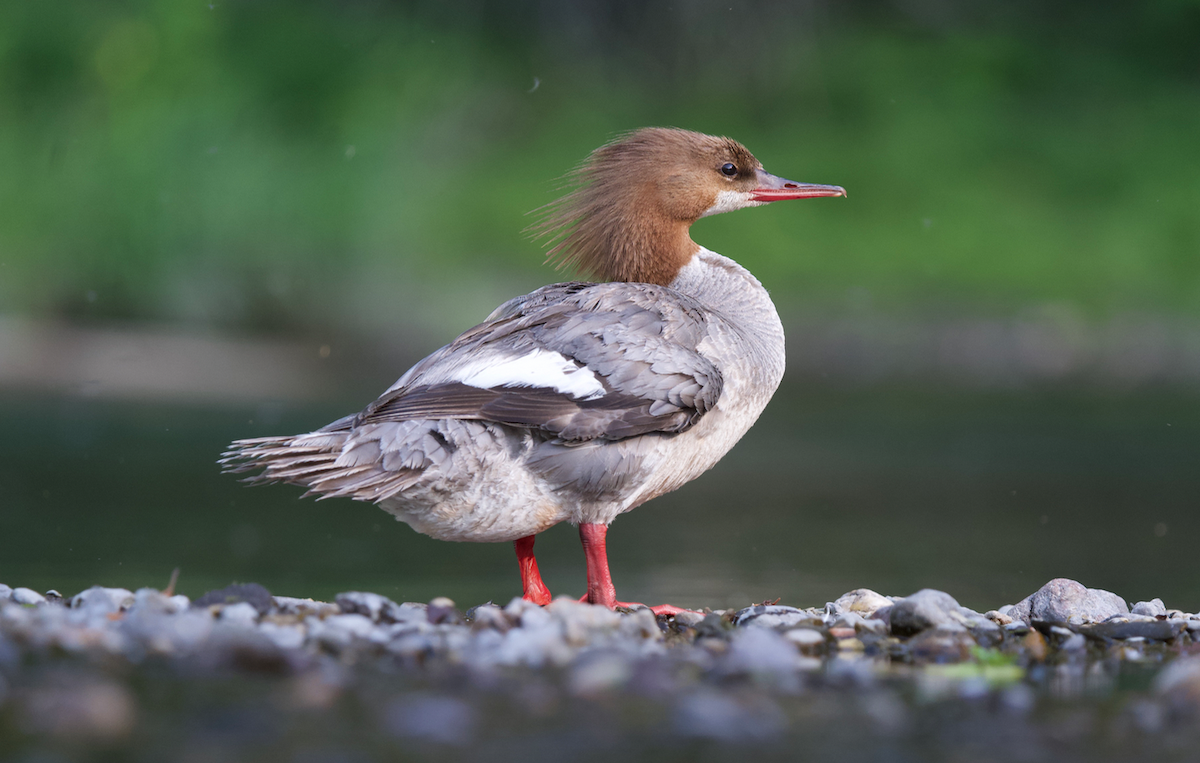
984,495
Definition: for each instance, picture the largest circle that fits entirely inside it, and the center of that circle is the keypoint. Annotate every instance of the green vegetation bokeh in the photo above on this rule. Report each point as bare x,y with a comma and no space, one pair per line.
271,166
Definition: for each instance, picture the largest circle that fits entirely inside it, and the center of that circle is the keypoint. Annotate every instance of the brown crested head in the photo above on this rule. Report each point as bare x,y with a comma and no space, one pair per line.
636,197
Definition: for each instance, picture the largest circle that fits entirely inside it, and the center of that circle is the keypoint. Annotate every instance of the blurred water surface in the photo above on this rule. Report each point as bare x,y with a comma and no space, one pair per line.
986,495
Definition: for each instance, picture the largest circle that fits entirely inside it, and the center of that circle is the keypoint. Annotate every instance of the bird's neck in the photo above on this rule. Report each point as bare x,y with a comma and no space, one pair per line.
732,292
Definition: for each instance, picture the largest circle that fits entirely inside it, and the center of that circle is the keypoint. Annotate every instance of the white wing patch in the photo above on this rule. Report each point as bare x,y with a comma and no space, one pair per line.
537,368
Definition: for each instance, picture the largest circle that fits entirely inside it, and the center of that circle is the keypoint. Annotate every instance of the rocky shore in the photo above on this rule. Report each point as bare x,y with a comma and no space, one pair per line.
1069,672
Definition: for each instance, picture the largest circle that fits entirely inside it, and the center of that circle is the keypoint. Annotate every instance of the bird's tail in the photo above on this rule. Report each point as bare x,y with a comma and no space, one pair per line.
308,460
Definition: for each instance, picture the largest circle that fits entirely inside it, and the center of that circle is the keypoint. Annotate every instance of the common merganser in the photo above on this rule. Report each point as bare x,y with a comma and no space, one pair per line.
579,401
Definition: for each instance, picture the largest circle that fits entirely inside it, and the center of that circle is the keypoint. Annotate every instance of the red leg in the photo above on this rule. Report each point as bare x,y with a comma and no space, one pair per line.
531,580
600,585
600,588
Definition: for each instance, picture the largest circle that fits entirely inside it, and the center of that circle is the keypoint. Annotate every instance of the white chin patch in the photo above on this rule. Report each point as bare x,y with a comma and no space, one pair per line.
727,201
538,368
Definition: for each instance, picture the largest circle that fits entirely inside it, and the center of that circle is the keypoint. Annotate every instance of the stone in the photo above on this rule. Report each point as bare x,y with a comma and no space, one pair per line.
153,600
940,646
241,614
640,625
1154,630
999,618
807,639
338,632
442,611
923,610
381,609
1154,608
5,592
861,601
27,596
772,616
760,651
1067,601
251,593
370,605
291,605
1180,679
713,626
101,600
579,622
599,672
284,636
488,616
688,618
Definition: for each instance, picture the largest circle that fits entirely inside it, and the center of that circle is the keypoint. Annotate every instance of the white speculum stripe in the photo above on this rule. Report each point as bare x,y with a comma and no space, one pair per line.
539,368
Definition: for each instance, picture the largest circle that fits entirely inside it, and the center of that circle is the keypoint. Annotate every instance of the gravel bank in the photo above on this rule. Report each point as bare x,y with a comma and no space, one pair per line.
241,674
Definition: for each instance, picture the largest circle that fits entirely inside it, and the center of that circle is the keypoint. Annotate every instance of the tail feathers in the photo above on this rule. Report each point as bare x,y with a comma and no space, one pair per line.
319,461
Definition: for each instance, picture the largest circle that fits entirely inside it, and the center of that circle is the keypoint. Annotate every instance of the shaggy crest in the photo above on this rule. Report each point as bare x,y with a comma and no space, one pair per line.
634,200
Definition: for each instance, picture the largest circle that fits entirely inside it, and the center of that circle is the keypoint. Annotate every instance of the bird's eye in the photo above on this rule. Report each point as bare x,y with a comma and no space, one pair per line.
729,170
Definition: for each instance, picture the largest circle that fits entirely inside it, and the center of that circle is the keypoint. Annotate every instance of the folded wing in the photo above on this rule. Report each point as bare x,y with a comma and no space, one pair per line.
575,361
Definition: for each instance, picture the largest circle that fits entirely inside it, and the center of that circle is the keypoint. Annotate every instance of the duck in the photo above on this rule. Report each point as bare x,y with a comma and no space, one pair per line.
579,401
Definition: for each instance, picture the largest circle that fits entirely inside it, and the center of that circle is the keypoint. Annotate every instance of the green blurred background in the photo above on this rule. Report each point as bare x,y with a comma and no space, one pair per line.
229,219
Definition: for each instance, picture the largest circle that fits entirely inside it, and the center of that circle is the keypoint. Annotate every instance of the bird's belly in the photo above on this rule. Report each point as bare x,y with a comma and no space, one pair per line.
669,462
482,494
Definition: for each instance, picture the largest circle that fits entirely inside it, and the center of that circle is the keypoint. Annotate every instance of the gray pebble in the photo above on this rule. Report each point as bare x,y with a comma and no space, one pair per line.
442,611
380,609
5,592
760,651
284,636
805,638
1181,677
489,616
242,614
100,600
689,618
861,601
252,593
291,605
772,616
599,672
1154,608
1064,600
27,596
924,609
